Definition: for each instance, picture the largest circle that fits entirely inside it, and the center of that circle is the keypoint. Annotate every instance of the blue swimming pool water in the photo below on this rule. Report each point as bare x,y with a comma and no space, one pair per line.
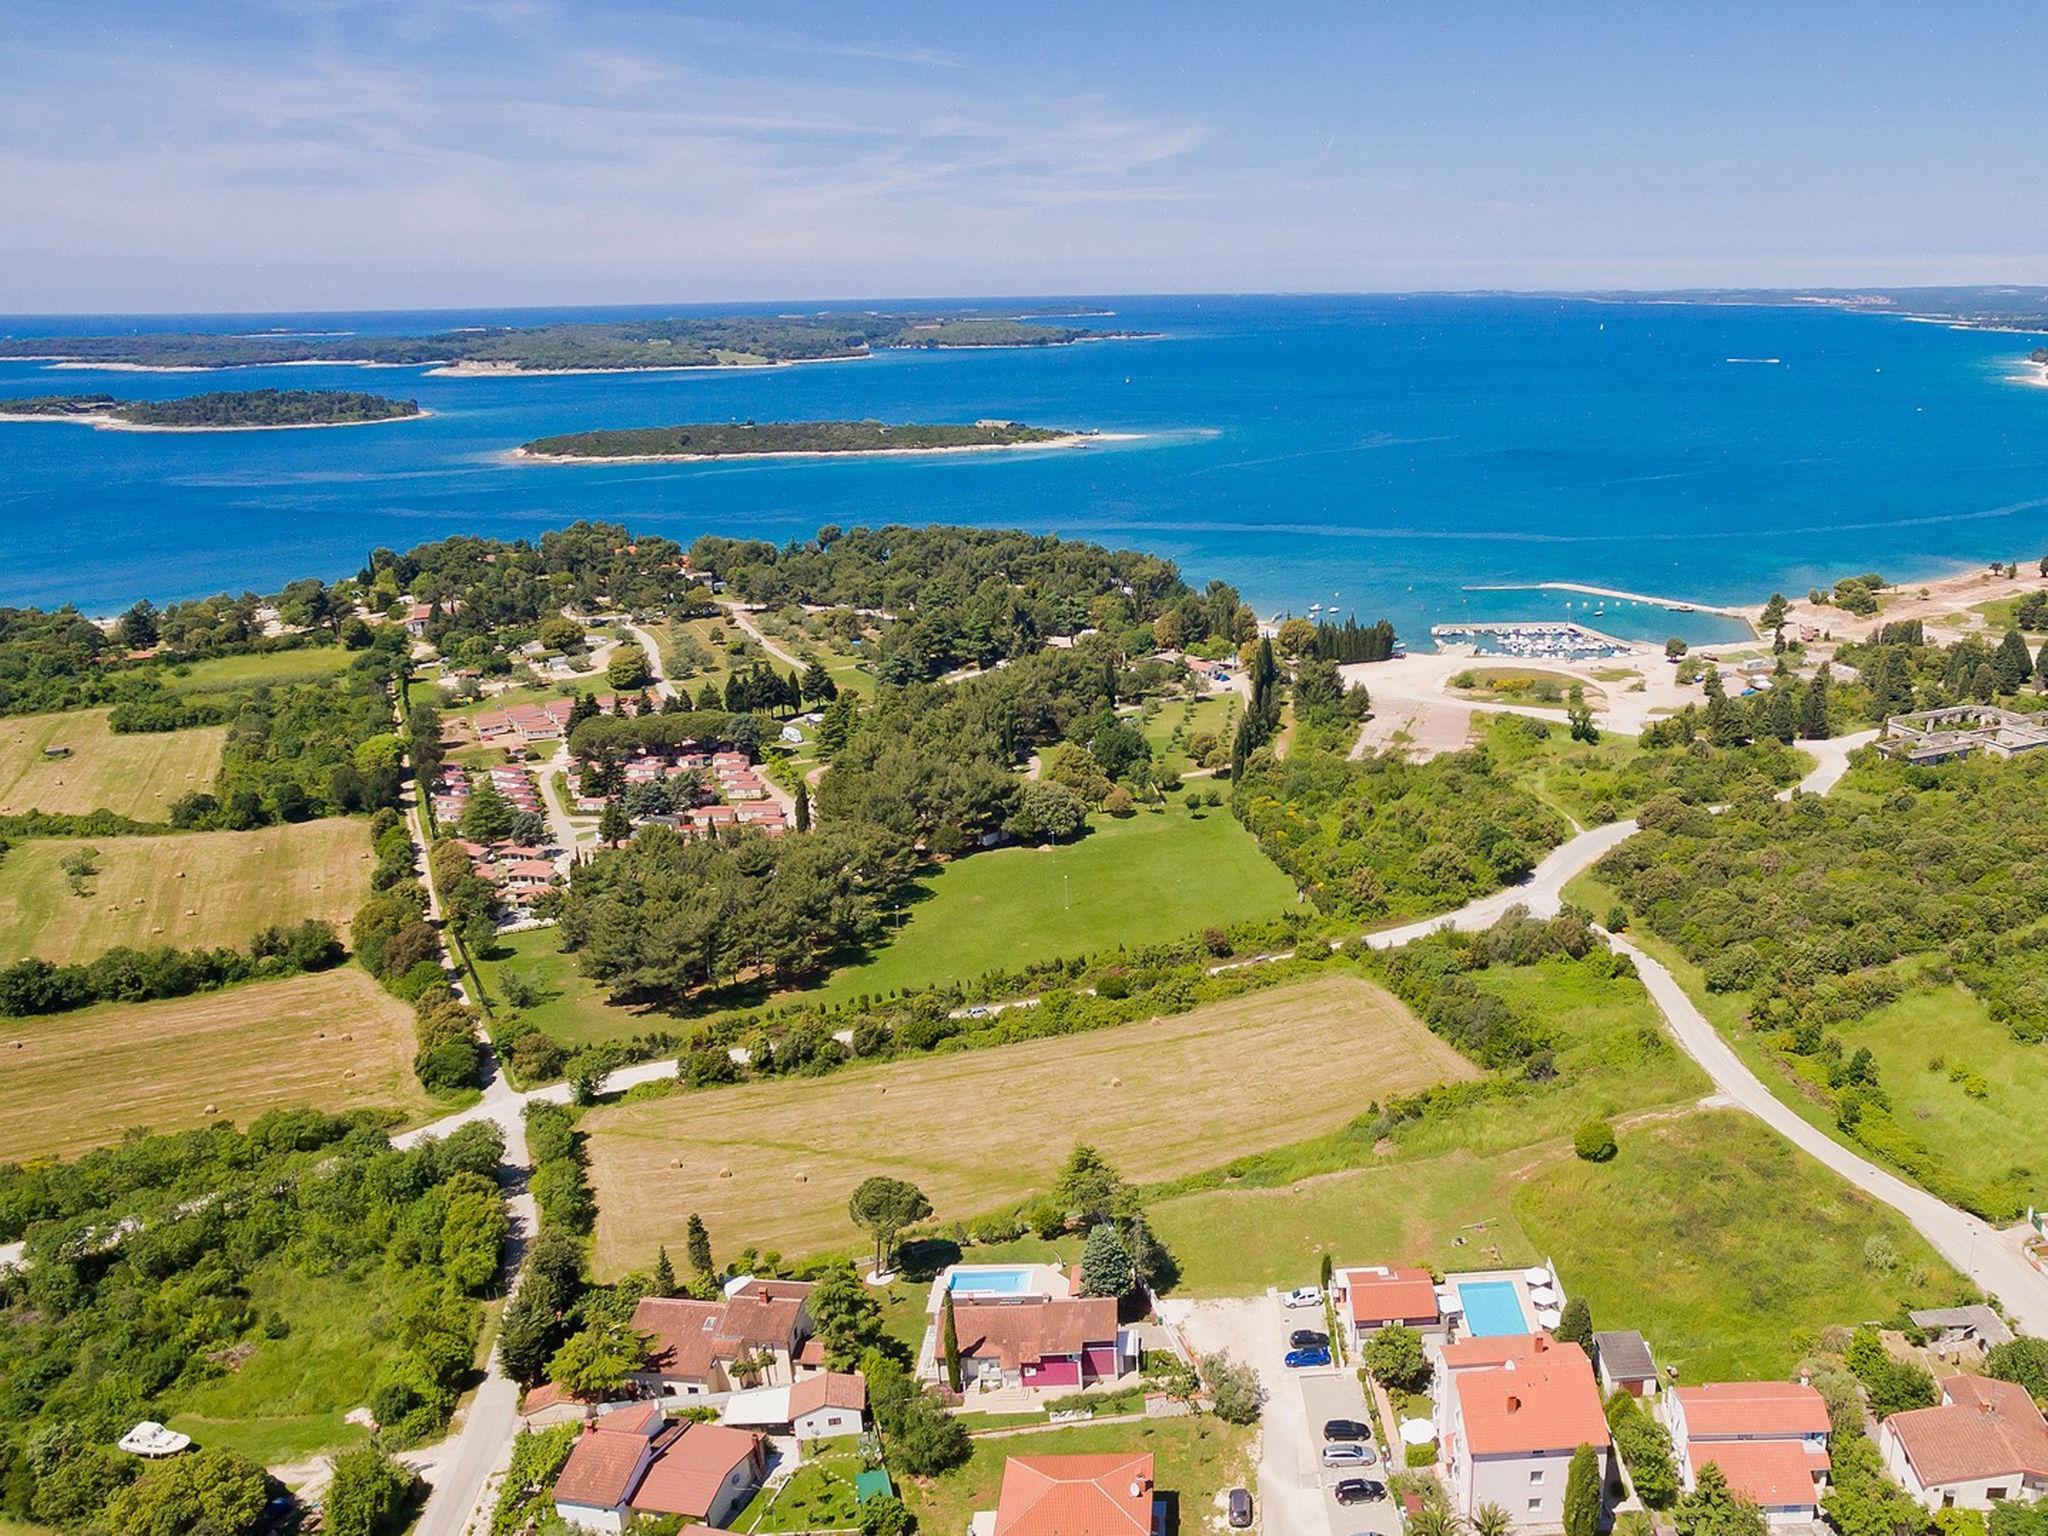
990,1282
1492,1308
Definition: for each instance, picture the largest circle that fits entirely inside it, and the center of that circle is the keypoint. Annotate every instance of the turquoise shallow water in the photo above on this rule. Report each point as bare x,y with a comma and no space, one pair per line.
1377,455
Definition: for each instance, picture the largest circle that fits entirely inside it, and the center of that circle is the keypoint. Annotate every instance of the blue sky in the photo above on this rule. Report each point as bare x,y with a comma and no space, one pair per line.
213,155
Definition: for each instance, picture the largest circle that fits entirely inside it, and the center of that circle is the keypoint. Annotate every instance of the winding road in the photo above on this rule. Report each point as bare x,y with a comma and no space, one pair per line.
1993,1258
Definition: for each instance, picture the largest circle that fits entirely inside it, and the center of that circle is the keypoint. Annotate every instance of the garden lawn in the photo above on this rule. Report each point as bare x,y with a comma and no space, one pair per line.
74,1081
1215,713
1142,879
136,774
573,1009
770,1164
819,1496
220,674
1195,1459
192,891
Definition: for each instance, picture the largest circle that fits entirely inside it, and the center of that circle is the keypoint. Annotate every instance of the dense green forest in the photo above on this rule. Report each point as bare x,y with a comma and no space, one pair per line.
701,342
171,1265
226,408
715,440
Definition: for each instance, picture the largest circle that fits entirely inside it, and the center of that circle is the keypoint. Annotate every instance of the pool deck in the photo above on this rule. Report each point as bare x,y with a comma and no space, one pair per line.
1513,1277
1038,1280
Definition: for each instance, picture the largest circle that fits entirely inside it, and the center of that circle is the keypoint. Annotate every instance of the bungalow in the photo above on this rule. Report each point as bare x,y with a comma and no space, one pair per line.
1986,1441
1507,1431
1041,1343
1108,1495
1378,1296
1769,1438
823,1405
750,1338
1623,1360
634,1462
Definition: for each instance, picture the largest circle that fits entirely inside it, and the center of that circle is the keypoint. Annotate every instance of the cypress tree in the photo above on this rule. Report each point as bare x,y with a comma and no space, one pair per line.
2011,664
1813,708
664,1273
950,1342
1582,1493
698,1245
803,806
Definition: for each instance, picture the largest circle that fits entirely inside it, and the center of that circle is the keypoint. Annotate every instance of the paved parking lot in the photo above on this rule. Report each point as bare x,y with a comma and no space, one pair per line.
1294,1488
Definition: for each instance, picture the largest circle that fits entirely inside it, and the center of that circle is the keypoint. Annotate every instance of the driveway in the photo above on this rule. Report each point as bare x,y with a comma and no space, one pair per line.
1293,1496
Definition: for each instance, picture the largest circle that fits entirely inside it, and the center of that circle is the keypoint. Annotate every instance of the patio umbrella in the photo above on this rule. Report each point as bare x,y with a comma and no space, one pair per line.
1536,1275
1417,1431
1543,1296
1548,1317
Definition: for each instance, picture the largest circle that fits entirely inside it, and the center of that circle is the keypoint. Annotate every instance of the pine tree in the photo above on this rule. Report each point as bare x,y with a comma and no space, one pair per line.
1813,707
950,1342
664,1274
1105,1263
2010,663
698,1246
803,806
614,826
2041,668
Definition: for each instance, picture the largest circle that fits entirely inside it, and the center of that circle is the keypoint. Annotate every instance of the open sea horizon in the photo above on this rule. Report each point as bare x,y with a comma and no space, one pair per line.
1380,456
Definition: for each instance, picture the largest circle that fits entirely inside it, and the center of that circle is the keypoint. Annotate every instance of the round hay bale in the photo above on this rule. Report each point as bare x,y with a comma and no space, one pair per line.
350,1072
210,1110
725,1173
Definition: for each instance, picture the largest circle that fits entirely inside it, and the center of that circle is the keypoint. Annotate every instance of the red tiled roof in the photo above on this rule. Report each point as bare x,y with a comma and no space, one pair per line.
813,1352
1986,1428
1496,1349
690,1468
1773,1473
599,1471
1075,1496
1543,1401
828,1389
1397,1296
1020,1332
1753,1409
687,1336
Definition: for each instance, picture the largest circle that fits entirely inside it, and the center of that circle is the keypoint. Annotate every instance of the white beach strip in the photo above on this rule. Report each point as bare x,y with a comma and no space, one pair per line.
1070,440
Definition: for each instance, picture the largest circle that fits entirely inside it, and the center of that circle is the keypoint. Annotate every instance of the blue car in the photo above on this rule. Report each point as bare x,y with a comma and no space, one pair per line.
1296,1359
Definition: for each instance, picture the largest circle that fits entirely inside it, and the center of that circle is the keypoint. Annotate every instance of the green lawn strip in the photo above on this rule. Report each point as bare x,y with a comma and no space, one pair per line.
225,673
1725,1245
1214,714
1195,1459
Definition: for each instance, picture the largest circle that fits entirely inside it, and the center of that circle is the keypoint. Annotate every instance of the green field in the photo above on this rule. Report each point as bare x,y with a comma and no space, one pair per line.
1195,1459
1148,877
1216,714
1534,686
1152,876
220,674
195,890
137,774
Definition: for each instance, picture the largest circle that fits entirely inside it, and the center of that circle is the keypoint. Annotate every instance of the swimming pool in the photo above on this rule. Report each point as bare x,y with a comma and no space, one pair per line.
989,1282
1491,1308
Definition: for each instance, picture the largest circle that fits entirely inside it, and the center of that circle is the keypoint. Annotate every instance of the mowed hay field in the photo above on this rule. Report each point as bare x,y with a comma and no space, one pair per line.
198,890
138,774
772,1164
73,1081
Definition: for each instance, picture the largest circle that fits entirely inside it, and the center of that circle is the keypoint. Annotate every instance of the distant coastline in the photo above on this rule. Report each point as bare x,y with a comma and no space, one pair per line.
104,423
526,454
255,410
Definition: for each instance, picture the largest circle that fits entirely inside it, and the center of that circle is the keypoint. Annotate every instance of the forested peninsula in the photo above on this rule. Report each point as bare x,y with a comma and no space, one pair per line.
780,438
225,411
595,347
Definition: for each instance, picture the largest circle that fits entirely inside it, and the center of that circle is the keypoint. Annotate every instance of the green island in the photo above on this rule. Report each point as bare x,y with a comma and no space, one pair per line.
717,440
222,411
678,342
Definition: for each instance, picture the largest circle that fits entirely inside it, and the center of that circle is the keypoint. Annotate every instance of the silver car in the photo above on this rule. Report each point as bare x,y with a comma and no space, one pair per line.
1347,1453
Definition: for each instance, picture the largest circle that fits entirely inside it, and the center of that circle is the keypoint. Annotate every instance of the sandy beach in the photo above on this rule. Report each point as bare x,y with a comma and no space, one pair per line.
1070,440
104,423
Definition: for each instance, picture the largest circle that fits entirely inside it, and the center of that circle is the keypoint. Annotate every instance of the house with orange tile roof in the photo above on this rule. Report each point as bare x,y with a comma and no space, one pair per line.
1984,1442
1507,1427
749,1338
1377,1296
1769,1438
634,1462
819,1405
1039,1343
1106,1495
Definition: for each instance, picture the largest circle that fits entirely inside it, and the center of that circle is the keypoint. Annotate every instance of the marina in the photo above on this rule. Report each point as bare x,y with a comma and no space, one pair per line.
1543,640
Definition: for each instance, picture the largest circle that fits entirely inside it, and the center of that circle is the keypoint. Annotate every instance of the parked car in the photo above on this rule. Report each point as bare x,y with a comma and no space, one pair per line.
1360,1490
1240,1509
1308,1338
1303,1296
1296,1359
1346,1429
1346,1453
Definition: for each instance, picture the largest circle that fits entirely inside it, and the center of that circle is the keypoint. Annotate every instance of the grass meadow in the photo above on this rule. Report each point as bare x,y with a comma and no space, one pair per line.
137,774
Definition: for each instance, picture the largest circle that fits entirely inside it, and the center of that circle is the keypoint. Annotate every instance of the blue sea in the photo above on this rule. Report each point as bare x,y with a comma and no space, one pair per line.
1376,455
